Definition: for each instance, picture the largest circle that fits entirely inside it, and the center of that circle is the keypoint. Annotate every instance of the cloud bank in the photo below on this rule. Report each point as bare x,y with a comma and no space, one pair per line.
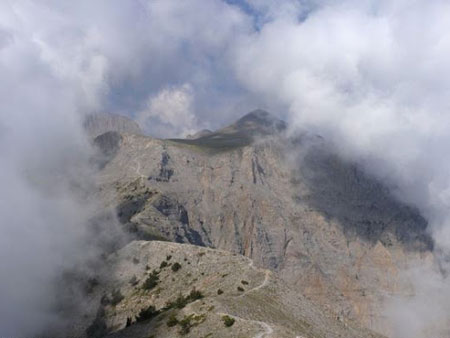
372,76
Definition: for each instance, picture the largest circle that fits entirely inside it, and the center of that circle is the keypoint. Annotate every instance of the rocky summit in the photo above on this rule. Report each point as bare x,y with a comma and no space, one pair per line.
287,238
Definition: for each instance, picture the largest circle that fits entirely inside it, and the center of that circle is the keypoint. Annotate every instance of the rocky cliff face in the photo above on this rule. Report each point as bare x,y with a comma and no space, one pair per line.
97,124
331,231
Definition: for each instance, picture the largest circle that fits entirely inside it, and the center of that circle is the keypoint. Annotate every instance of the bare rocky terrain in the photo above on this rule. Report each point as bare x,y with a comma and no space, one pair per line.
332,235
162,289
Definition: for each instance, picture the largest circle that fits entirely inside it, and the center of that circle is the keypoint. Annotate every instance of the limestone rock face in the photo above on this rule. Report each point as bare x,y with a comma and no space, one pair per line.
194,288
332,232
97,124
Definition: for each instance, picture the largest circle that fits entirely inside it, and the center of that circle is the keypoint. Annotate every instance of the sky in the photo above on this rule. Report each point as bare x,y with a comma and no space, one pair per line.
372,76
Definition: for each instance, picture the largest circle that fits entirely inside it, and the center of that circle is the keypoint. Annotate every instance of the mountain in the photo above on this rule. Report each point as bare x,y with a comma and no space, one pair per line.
97,124
332,232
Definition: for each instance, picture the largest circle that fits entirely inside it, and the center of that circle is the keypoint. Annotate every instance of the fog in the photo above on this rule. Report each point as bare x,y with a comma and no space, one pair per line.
371,76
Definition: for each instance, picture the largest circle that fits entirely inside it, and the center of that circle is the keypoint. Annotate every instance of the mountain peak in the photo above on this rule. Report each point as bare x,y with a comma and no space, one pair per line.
261,122
241,133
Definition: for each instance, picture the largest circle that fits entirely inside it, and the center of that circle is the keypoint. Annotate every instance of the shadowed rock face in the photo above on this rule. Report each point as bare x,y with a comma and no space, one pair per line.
362,205
332,232
107,146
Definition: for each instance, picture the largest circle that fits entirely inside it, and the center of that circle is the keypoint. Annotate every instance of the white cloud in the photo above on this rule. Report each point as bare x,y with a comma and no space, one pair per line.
372,75
170,112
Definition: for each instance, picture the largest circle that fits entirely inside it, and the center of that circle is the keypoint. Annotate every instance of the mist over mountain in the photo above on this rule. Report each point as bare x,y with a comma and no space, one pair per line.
339,184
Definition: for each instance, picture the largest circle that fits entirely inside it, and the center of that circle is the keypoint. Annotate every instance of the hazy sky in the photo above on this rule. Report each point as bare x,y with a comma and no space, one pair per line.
373,76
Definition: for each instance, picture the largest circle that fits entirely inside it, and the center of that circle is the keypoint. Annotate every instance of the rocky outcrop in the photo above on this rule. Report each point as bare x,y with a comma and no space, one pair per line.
331,231
97,124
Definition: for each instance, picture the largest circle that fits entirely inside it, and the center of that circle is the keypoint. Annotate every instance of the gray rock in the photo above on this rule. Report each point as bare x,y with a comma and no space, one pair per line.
97,124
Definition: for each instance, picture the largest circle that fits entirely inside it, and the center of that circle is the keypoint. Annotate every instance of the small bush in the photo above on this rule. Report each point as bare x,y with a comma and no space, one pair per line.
228,321
240,289
176,266
151,281
185,324
163,265
172,321
146,314
219,292
244,282
181,301
194,295
168,257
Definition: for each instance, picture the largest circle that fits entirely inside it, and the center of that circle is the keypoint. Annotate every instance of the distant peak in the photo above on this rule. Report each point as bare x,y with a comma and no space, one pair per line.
257,114
262,121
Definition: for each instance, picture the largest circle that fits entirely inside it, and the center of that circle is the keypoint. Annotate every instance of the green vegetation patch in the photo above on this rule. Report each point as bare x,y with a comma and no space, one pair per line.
228,321
181,301
176,266
151,281
147,313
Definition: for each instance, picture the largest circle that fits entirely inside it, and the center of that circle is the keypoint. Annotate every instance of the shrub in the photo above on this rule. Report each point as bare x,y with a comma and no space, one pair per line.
181,301
194,295
185,324
163,265
228,321
240,289
172,321
219,292
176,266
168,257
146,314
151,281
244,282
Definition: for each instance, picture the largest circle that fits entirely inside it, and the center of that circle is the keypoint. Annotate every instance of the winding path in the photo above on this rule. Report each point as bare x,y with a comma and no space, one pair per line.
263,284
268,330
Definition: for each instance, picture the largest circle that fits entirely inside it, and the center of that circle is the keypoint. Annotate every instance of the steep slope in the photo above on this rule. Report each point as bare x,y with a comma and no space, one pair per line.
193,290
293,206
